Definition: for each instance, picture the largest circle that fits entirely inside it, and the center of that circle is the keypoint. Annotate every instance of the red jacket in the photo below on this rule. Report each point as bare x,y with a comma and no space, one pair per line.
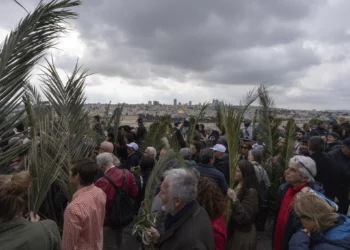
220,233
116,175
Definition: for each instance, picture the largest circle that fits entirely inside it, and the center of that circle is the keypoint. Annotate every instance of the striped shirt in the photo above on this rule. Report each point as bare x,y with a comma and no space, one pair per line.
83,220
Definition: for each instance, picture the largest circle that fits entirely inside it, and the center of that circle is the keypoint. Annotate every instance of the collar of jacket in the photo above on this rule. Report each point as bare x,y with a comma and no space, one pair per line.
182,217
13,223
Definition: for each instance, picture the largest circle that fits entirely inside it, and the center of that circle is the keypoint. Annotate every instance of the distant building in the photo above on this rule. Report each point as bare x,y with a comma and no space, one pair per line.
155,103
175,102
179,103
190,103
149,103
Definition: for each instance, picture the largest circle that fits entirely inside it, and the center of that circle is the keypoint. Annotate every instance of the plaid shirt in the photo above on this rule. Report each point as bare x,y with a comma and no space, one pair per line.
83,220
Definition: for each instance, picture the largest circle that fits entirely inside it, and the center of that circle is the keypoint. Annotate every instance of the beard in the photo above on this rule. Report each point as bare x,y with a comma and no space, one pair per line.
169,207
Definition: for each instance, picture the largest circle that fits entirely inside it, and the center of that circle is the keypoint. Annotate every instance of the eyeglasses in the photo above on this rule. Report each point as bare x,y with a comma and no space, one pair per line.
244,147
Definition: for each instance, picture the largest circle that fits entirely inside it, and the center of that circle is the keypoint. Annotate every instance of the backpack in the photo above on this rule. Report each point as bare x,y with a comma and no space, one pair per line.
123,205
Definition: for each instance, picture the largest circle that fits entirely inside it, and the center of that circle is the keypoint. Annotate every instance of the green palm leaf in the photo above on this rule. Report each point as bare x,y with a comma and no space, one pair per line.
195,121
269,123
232,118
23,48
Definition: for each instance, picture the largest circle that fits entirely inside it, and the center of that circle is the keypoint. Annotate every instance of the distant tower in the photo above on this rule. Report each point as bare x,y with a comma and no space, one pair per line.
190,103
149,103
175,102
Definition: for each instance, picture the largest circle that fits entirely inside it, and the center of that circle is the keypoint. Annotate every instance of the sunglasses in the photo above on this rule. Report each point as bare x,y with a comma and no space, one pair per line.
244,147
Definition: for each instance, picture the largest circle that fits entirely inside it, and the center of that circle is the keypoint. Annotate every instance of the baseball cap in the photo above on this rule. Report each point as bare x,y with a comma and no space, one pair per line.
346,142
133,145
219,148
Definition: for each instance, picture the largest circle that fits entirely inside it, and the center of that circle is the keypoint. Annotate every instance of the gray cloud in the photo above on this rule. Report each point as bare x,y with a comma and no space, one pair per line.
213,43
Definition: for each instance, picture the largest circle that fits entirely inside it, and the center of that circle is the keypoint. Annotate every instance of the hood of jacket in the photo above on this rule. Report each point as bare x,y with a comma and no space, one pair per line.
338,235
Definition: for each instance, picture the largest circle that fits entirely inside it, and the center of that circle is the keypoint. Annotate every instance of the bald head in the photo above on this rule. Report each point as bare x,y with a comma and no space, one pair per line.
106,147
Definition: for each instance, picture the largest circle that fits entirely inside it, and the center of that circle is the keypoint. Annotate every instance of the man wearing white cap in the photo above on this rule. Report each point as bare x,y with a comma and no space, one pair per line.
133,159
222,160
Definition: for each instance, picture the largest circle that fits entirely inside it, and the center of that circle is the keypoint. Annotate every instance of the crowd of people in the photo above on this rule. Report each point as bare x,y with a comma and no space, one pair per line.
196,205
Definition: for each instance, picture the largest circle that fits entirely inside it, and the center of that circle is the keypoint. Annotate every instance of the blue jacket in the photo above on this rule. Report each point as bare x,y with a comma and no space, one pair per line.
336,238
293,224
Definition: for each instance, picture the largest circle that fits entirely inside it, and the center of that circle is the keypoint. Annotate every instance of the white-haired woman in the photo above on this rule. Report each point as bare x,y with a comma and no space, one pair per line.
300,174
324,229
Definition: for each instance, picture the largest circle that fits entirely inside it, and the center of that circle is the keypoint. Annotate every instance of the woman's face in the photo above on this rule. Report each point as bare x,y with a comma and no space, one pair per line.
238,176
308,223
244,149
330,139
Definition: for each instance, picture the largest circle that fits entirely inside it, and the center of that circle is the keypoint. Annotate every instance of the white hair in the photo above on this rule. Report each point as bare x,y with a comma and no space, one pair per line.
307,166
153,151
183,184
104,159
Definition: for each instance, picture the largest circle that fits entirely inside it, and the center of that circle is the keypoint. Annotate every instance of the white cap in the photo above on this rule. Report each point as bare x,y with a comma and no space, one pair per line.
219,148
133,145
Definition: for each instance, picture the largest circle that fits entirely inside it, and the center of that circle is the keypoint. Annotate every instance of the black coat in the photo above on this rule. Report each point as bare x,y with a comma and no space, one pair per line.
327,173
343,163
192,230
223,165
132,161
214,174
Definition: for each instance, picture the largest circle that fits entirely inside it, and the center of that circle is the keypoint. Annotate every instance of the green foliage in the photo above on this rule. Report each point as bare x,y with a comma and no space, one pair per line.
23,48
195,120
288,147
158,130
269,124
232,118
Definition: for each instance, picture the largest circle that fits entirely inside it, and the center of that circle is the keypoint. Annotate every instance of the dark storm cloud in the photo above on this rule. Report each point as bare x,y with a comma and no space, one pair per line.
288,43
132,39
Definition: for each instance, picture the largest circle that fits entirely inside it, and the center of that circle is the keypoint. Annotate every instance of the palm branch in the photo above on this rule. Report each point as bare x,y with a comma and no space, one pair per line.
156,132
287,149
269,123
232,118
147,218
67,101
23,48
45,159
195,121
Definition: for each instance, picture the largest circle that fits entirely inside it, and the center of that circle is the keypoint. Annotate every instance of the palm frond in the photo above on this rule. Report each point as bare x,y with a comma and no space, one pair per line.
269,123
45,159
287,149
232,118
147,219
67,101
196,119
23,48
156,132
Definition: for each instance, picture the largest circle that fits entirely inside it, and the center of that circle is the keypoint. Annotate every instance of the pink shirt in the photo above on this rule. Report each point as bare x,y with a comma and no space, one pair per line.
83,220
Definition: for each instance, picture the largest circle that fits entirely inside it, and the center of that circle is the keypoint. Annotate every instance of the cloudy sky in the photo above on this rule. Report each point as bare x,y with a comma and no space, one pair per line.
199,50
